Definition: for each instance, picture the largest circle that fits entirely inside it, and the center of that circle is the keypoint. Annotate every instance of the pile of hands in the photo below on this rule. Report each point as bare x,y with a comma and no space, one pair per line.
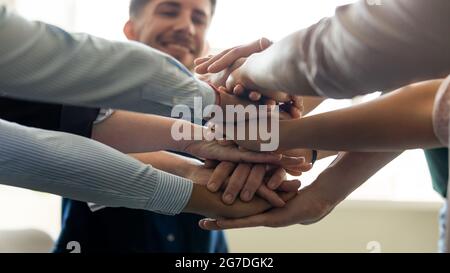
237,187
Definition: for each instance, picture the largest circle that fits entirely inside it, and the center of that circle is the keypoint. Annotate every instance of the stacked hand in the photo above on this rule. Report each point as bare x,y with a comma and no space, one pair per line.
243,173
307,207
246,180
223,70
226,69
268,183
238,183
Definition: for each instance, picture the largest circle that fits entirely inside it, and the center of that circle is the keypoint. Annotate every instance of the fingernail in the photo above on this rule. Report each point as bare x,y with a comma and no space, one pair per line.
228,198
246,195
212,187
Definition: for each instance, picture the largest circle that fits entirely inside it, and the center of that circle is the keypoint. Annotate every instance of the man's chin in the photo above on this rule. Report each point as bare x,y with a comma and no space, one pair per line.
186,60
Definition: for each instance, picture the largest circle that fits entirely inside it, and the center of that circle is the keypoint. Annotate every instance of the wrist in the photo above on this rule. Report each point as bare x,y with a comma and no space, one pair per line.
194,136
193,205
329,197
202,202
302,129
284,132
188,169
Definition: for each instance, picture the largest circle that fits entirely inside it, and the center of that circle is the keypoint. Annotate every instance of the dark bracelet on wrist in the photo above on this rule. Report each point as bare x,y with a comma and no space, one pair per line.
314,156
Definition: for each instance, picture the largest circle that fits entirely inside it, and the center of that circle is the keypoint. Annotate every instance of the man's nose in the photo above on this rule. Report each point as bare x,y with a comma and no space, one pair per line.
185,24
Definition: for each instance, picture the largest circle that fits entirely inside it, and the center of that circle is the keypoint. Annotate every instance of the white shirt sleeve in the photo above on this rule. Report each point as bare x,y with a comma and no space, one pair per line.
82,169
365,47
45,63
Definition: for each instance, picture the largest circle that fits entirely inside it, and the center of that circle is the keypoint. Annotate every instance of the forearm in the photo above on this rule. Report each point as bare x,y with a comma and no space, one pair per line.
311,103
136,133
81,169
169,162
398,121
348,172
45,63
362,49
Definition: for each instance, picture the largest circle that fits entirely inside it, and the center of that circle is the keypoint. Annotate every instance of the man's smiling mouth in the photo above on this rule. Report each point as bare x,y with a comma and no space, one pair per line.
177,47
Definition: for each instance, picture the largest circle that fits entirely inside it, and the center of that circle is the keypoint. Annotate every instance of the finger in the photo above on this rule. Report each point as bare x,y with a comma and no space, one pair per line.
236,183
297,153
234,154
209,224
225,142
306,167
255,96
264,43
204,67
277,178
257,157
294,172
298,103
211,164
270,196
288,196
299,169
252,221
290,186
199,61
288,161
276,96
239,90
238,52
295,112
254,181
220,175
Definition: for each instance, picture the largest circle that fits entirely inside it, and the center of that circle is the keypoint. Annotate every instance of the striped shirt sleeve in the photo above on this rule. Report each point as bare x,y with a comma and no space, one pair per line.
82,169
45,63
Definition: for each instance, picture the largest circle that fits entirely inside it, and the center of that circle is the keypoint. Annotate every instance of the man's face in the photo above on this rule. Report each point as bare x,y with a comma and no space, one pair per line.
176,27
